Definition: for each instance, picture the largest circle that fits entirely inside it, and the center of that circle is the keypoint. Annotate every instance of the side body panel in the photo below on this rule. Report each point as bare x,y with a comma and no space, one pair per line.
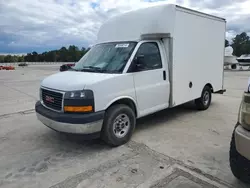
198,55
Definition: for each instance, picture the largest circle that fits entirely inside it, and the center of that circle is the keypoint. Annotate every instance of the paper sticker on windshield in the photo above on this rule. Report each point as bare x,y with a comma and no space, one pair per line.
122,45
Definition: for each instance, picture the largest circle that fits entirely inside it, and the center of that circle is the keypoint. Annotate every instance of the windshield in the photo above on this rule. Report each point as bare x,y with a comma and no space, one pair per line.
106,58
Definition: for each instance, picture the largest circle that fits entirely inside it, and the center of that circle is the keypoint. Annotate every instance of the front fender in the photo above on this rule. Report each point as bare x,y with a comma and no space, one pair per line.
120,98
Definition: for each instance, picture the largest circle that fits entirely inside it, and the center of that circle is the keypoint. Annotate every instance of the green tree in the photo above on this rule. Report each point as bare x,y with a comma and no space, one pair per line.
72,54
34,56
226,43
8,59
21,58
63,53
14,58
28,57
241,44
1,58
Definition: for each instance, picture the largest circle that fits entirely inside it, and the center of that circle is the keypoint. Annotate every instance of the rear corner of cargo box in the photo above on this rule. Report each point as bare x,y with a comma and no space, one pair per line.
198,56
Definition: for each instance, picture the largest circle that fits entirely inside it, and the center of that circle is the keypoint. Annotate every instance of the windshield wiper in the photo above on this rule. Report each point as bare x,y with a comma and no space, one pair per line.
92,69
72,69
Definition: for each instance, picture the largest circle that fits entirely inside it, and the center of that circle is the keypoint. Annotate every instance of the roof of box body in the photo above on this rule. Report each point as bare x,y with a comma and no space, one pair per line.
131,25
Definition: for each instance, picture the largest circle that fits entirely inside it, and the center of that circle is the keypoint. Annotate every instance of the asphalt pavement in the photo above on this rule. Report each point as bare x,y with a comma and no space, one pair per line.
176,148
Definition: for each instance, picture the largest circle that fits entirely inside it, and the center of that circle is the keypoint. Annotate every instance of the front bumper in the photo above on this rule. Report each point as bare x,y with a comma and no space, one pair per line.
242,141
70,123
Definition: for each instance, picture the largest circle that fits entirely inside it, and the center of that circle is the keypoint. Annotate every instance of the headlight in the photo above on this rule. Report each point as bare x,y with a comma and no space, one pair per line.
244,112
75,95
79,101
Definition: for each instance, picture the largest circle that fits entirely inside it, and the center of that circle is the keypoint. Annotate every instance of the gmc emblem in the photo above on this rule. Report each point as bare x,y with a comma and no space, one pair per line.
49,99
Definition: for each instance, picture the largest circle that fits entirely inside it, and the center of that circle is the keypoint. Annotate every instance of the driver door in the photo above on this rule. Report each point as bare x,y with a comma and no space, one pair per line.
151,81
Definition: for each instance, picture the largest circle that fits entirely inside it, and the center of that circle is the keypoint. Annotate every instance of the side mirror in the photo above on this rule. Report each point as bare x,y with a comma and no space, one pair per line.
140,59
138,63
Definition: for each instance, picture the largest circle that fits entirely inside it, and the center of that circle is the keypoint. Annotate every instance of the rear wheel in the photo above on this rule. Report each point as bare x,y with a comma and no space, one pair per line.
204,101
240,166
119,124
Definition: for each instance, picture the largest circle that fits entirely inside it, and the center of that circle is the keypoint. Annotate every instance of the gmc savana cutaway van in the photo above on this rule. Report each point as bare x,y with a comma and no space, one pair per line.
144,61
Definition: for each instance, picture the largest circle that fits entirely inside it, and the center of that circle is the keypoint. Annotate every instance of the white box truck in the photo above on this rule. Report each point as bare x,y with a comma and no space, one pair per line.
144,61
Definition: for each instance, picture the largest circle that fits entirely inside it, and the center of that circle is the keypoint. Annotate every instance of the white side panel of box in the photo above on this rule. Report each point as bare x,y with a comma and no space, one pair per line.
198,52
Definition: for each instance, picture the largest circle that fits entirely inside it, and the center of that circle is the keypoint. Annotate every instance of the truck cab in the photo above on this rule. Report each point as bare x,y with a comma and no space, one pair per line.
139,65
104,82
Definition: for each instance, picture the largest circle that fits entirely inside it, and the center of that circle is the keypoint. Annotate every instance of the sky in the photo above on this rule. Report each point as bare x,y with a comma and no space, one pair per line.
42,25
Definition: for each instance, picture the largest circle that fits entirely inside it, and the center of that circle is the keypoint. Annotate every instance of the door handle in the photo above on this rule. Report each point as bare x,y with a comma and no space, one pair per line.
164,75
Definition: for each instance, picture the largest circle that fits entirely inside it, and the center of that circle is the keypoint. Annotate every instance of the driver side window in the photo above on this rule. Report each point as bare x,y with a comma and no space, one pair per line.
148,57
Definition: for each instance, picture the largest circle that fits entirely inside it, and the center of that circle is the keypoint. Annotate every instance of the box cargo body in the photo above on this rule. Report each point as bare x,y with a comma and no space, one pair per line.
194,48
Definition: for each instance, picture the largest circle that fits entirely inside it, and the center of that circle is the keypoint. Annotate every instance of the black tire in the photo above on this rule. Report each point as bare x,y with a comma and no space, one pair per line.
112,113
201,103
240,166
234,66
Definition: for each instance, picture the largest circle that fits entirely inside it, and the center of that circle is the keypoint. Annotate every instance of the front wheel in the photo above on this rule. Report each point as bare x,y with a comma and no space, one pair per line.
204,101
119,124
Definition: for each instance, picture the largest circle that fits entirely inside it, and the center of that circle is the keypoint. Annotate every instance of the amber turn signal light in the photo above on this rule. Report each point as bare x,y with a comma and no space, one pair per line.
78,108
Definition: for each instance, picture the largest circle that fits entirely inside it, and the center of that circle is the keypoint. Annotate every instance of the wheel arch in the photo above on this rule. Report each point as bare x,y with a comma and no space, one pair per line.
209,85
129,101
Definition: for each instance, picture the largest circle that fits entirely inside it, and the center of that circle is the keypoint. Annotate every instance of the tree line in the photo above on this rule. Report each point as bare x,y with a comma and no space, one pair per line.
70,54
240,44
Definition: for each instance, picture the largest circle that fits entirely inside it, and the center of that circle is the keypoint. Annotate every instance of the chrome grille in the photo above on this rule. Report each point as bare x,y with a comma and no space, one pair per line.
52,99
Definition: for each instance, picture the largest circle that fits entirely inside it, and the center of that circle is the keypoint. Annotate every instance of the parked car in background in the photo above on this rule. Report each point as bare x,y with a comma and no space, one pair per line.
66,67
7,68
239,149
244,60
23,64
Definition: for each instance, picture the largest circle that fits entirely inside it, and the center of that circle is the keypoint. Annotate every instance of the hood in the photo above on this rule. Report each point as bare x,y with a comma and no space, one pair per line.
71,80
